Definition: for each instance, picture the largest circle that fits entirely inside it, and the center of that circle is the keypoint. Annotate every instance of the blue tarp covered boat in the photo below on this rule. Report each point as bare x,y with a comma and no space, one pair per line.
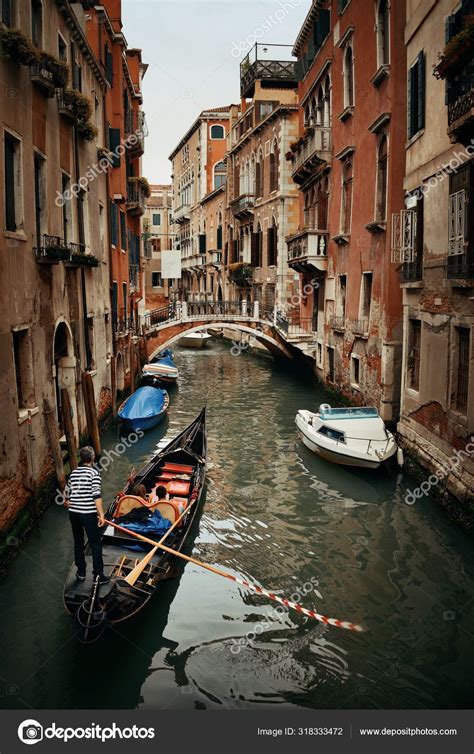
144,408
160,369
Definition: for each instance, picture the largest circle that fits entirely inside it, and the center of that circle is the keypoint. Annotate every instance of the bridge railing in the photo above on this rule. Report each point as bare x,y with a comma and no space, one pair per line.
168,313
179,311
215,309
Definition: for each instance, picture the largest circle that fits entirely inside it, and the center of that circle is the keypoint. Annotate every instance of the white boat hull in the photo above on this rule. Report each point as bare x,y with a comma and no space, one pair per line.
195,340
336,452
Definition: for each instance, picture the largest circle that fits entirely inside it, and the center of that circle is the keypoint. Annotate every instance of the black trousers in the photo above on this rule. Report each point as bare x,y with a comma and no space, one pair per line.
87,522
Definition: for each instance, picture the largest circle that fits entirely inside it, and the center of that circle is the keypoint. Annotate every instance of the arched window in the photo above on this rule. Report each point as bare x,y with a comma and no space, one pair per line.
217,132
320,111
327,101
259,175
348,77
346,203
323,204
252,175
383,33
382,165
220,174
236,178
274,161
272,244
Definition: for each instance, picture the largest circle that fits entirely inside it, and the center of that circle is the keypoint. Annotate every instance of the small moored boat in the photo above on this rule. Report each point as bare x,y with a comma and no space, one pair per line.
160,369
195,340
348,436
144,409
181,468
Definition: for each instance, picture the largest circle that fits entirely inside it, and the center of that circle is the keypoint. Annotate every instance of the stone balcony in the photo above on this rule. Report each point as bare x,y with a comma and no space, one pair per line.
243,206
313,150
182,213
308,248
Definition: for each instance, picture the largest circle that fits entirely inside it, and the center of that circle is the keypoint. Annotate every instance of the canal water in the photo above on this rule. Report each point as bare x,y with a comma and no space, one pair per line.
340,541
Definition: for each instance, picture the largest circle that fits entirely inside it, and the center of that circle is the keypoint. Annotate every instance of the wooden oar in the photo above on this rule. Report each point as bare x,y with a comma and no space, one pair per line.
258,589
134,575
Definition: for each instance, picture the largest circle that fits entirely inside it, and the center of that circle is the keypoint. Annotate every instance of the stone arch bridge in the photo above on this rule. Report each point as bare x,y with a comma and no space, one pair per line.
163,327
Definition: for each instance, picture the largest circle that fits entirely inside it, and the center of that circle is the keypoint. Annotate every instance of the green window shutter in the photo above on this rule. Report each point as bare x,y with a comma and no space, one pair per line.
219,236
114,224
410,114
421,91
114,141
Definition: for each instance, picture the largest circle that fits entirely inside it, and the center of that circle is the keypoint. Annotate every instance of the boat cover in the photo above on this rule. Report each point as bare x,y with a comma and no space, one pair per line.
164,357
153,526
143,403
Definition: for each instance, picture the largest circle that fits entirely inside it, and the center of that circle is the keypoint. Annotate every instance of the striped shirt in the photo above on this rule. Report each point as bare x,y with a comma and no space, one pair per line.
83,489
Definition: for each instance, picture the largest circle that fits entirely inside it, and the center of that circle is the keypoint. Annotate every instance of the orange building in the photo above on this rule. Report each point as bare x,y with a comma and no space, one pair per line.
127,190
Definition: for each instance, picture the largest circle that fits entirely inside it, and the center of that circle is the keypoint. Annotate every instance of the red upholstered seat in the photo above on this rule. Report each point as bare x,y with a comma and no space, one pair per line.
176,487
178,467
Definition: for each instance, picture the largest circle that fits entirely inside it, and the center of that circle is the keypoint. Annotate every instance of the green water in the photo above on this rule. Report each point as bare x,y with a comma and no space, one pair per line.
274,513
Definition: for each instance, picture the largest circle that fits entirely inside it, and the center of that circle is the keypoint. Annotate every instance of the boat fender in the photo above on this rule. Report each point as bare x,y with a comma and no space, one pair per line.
400,457
324,407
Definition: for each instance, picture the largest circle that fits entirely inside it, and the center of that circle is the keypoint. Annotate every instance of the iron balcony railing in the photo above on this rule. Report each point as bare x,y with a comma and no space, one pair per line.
360,326
52,249
135,196
242,204
461,266
269,62
411,272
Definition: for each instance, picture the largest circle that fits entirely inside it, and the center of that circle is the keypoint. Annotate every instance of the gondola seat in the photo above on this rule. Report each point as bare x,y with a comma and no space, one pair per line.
175,487
172,509
178,467
128,503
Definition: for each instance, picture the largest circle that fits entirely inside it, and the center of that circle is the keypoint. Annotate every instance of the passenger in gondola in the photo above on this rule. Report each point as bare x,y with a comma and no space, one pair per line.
159,495
86,514
140,491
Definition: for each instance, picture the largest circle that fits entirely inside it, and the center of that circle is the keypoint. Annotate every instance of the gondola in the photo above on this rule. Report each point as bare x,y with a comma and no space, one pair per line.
160,370
181,467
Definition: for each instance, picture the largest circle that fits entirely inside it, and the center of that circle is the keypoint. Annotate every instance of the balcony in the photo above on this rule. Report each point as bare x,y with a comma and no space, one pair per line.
461,105
461,266
52,250
361,327
43,78
136,195
66,106
215,258
80,258
243,206
271,63
338,323
182,213
308,248
411,271
314,150
135,125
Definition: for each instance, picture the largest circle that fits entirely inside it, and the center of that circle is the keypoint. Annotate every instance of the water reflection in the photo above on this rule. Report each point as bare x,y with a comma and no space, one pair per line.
277,514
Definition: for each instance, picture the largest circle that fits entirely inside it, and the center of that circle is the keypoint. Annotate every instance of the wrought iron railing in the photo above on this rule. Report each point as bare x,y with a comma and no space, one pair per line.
52,249
243,203
411,272
255,66
337,322
461,266
461,93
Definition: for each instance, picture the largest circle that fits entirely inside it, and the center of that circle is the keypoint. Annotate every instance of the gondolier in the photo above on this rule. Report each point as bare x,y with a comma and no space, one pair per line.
84,503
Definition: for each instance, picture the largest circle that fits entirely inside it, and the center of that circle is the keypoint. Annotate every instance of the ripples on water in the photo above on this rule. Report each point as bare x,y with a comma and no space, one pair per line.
276,514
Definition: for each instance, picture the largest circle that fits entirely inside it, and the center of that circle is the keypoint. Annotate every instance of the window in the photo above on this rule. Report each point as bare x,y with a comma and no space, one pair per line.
23,359
342,294
114,230
219,237
414,346
461,223
156,279
37,23
272,245
355,370
322,195
62,48
333,434
109,65
123,231
82,216
416,96
124,294
102,230
256,248
259,176
220,174
156,219
217,132
13,184
114,303
90,344
331,369
382,175
6,12
383,33
66,208
462,377
366,295
202,243
274,160
348,74
346,203
342,5
40,197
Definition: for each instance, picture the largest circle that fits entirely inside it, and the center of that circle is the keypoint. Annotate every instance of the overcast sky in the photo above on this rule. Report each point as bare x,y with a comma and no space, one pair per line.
193,50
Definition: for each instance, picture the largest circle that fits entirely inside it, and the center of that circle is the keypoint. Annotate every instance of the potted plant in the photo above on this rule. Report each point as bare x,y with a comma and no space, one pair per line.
458,51
87,130
58,68
17,47
145,187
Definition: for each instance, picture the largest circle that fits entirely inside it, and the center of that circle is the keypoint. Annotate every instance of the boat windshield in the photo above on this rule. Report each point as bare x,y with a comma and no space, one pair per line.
359,412
333,434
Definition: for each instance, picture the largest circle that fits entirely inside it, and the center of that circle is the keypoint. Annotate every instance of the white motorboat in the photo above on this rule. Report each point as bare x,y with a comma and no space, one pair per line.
195,339
348,436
